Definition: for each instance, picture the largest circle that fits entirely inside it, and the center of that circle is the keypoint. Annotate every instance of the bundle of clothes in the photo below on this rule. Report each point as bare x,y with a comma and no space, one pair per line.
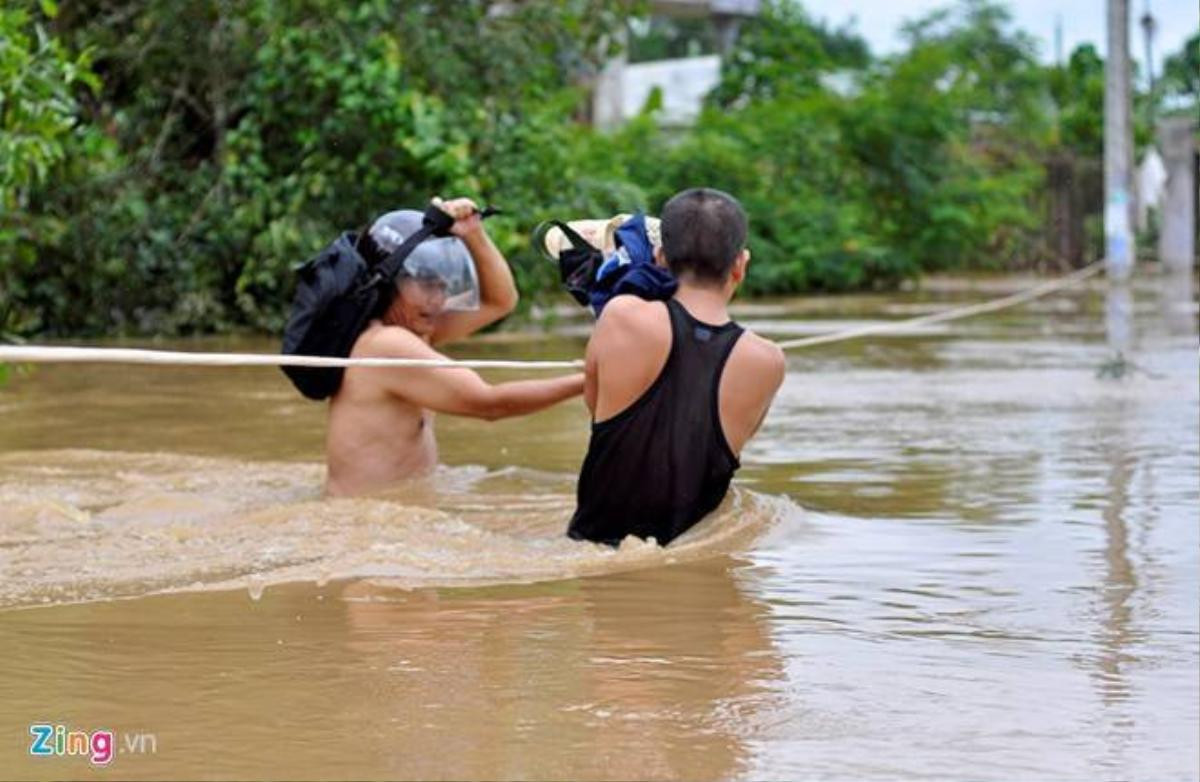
600,259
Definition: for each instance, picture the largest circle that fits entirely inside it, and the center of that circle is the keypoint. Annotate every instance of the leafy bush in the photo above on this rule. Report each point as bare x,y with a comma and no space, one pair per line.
38,128
164,163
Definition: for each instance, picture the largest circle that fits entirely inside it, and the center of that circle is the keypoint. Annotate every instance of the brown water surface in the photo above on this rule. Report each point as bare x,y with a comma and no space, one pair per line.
954,553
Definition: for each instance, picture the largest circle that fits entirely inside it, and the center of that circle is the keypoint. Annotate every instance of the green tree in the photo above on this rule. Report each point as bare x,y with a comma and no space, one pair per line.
989,67
229,141
1078,92
949,134
249,134
38,126
783,52
1181,75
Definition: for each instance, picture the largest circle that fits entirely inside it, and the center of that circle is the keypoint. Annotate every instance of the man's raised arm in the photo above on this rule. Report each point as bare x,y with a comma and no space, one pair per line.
497,290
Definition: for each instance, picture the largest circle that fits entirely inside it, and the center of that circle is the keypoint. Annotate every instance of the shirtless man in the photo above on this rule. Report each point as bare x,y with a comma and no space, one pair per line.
675,388
381,420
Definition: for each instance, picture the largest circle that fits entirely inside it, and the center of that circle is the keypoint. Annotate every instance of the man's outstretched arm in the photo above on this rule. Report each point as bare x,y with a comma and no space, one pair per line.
520,397
461,391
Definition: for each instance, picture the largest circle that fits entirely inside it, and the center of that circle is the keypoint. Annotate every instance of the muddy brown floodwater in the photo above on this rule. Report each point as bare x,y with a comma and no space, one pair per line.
954,553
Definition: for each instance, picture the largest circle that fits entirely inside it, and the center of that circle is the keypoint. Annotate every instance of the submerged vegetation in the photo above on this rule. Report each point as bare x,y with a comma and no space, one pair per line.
164,164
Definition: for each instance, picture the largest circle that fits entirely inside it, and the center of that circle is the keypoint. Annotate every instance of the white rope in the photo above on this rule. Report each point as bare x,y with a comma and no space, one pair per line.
954,313
33,354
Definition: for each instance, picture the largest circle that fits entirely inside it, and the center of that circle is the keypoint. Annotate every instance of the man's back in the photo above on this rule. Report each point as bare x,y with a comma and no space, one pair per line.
674,398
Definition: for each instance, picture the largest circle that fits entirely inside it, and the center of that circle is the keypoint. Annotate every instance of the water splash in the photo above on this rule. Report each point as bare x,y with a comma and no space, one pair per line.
90,525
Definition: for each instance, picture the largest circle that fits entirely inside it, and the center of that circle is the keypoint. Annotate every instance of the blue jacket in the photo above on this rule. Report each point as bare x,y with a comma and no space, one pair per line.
631,268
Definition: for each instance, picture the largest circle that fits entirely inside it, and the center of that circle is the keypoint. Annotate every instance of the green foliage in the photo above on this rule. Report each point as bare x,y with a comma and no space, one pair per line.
38,127
948,135
330,131
924,161
783,53
37,106
1181,76
230,143
811,226
989,68
165,163
1078,93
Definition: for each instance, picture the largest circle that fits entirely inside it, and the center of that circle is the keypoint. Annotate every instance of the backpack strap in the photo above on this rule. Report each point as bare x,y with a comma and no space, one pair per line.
573,237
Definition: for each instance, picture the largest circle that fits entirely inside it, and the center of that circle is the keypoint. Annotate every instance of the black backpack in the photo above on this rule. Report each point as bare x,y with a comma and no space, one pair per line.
577,264
337,293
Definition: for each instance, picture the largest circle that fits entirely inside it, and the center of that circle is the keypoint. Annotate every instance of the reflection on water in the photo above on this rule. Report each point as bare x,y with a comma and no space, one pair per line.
574,681
1118,316
1119,585
996,579
1176,292
543,681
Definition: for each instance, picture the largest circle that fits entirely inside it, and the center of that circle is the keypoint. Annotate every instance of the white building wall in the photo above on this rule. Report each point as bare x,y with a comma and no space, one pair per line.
621,88
683,83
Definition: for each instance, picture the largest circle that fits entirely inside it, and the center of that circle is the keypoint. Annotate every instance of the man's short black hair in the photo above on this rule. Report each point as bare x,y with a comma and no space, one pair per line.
703,230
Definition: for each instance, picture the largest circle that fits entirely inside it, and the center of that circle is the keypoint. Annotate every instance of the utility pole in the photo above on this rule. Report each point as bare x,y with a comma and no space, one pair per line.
1148,28
1118,145
1177,240
1058,41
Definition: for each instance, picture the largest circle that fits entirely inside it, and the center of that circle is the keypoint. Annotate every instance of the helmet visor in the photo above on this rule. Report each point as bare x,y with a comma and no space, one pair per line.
438,264
444,265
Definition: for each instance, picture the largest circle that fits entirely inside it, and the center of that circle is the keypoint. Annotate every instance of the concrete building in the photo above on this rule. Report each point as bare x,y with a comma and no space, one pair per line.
624,85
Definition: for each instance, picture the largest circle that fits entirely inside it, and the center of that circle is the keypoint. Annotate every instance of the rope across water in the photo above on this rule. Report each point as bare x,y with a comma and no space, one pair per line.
955,313
35,354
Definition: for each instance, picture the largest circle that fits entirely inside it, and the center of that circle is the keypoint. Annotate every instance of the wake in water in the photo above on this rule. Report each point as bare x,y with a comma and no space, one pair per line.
92,525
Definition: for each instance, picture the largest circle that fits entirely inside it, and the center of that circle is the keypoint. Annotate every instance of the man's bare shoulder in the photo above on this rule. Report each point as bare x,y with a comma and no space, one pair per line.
382,341
628,310
630,321
761,355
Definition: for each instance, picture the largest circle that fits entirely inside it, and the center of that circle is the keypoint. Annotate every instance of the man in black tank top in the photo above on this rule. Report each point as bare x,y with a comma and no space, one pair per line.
676,388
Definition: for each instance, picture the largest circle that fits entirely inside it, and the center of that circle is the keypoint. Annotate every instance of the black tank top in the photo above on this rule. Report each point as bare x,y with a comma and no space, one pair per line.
661,464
